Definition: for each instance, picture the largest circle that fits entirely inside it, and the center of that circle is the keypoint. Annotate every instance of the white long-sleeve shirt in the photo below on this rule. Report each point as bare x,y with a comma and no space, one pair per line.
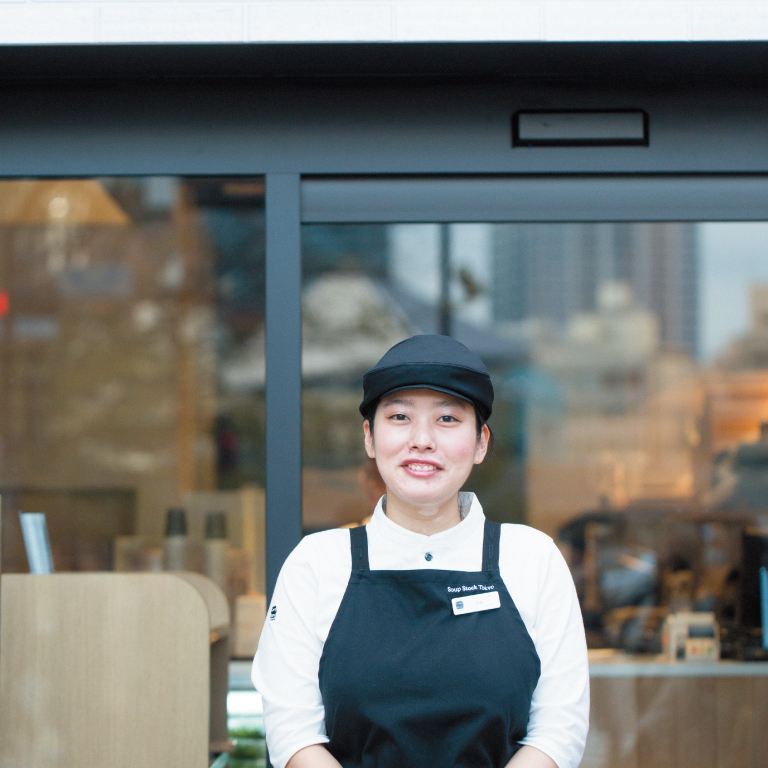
311,586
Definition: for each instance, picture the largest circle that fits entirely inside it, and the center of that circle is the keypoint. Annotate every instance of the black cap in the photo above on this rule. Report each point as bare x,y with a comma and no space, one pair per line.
430,362
176,522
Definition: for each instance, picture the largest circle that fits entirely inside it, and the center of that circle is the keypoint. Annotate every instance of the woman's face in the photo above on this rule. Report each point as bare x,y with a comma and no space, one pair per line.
425,444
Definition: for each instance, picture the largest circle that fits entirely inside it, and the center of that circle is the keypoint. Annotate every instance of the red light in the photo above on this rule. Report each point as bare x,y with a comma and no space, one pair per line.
3,303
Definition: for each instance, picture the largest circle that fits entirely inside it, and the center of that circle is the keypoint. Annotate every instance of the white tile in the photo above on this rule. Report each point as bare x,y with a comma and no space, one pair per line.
171,23
613,20
84,2
478,21
141,2
125,21
729,21
320,20
41,24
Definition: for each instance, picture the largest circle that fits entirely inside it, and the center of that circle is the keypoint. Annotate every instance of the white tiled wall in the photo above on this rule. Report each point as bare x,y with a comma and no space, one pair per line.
193,21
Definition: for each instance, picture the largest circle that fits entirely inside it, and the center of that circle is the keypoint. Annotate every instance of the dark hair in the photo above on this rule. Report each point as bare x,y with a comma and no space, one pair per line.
370,413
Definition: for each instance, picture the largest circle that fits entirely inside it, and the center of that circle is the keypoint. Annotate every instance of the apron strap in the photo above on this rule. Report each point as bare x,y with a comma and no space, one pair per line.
358,539
491,537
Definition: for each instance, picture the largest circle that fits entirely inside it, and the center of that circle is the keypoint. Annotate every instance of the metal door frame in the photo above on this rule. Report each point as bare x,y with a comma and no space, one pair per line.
292,200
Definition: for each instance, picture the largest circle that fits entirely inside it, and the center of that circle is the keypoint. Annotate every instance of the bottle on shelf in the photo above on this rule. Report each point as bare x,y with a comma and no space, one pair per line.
216,545
175,546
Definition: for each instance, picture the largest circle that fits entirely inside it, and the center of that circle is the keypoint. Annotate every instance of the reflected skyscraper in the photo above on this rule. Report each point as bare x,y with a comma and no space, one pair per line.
552,272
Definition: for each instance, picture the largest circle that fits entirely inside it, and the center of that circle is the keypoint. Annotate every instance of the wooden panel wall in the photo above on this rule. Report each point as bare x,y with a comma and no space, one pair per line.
678,722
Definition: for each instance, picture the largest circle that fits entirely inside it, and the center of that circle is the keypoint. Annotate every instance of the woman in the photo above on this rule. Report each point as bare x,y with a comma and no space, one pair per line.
431,637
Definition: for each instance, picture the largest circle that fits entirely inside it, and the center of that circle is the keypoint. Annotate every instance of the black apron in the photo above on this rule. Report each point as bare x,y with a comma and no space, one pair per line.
406,683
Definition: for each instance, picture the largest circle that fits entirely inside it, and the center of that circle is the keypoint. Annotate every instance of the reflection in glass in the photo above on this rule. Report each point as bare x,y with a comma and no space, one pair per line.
126,307
629,424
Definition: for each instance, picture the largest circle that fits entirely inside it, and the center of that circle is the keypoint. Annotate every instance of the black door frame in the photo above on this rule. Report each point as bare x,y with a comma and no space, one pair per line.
292,200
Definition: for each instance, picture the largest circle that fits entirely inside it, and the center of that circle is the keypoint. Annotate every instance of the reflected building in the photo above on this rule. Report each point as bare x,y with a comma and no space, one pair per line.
737,416
553,271
612,398
627,425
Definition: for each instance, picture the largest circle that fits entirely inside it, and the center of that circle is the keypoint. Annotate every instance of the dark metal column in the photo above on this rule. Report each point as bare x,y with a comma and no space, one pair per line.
445,320
283,385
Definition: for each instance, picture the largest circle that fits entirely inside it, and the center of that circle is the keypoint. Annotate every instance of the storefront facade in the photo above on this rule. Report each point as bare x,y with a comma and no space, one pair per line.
203,247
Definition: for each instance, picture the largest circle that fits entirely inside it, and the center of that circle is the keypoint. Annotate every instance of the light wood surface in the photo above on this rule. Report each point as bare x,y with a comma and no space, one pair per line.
215,600
219,622
678,722
103,670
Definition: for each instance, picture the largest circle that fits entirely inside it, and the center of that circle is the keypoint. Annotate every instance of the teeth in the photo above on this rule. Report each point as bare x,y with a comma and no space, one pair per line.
421,467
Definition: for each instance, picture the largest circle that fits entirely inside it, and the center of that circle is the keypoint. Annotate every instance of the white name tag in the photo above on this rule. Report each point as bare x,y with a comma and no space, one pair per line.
473,603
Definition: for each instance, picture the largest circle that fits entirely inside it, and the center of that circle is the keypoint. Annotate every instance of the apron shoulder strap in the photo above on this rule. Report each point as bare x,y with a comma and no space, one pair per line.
491,537
358,539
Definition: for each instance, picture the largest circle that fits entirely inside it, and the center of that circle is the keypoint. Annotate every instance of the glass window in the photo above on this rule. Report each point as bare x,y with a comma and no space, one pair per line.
630,364
576,323
131,314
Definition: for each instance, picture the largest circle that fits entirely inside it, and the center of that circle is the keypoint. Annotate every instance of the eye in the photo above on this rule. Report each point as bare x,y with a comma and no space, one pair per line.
447,418
398,417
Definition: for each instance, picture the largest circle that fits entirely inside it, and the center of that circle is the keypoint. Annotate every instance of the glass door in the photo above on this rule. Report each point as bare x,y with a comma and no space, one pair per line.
630,363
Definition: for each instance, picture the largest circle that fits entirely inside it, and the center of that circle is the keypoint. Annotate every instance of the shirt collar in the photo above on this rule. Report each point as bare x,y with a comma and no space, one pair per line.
382,525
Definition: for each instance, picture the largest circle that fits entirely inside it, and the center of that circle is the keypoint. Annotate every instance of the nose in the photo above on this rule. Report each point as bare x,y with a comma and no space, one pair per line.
422,438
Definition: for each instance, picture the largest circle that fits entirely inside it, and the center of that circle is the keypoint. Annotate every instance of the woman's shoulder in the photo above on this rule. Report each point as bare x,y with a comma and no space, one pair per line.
527,551
524,536
524,547
321,551
323,541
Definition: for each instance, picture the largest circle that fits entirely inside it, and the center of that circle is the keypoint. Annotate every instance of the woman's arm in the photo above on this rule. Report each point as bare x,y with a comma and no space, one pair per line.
318,756
525,757
285,670
559,716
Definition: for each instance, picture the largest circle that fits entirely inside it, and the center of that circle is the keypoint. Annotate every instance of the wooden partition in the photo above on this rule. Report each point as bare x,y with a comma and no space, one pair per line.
110,670
717,718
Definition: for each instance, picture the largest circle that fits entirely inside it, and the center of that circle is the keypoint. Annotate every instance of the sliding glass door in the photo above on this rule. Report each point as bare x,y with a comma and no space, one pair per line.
630,362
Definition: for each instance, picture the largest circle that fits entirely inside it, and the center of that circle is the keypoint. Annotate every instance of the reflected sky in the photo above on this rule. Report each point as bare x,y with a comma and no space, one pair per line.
733,257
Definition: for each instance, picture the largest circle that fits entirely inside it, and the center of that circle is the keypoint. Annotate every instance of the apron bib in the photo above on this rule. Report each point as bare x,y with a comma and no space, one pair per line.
408,683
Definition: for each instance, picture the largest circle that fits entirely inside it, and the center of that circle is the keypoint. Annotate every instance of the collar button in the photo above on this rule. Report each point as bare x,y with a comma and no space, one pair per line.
428,557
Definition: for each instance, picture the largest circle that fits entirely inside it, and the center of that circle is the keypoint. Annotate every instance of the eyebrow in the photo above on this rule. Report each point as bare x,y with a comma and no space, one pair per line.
398,401
437,403
451,404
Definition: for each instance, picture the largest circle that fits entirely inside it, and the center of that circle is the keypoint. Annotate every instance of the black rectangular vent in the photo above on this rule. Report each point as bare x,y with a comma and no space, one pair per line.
580,128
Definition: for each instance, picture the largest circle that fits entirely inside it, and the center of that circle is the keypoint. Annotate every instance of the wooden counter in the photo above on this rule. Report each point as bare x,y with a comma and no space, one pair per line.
657,714
111,670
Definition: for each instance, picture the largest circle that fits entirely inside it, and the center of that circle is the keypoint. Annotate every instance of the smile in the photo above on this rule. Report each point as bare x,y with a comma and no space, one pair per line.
421,468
